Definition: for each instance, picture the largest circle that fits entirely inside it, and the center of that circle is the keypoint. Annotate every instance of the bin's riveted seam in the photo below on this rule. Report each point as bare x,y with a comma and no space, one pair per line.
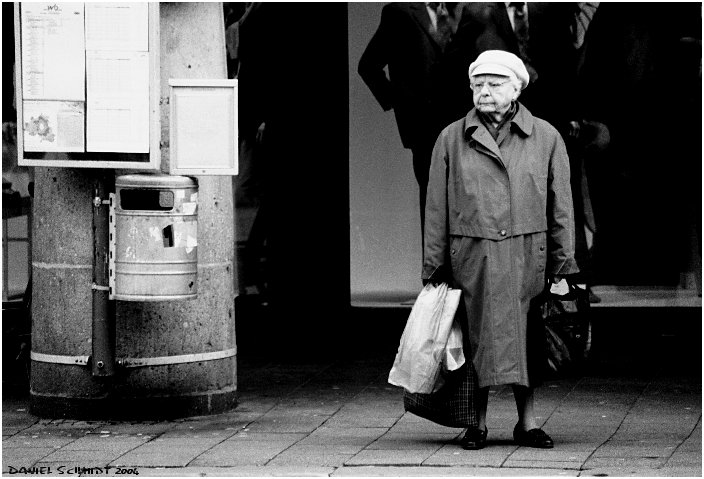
137,362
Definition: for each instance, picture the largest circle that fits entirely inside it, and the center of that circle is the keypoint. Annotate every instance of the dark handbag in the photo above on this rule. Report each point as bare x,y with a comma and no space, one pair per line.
567,330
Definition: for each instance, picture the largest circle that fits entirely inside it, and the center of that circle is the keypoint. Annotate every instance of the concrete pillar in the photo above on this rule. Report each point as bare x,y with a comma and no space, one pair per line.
192,46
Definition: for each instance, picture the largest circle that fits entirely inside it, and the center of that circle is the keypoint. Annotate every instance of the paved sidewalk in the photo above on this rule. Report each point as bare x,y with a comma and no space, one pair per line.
343,419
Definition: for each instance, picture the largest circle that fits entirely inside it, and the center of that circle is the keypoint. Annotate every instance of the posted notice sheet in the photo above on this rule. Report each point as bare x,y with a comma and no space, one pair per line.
53,51
117,26
53,125
118,101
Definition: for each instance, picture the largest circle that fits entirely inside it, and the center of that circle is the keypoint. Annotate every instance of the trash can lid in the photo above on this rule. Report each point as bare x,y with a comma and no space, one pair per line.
155,180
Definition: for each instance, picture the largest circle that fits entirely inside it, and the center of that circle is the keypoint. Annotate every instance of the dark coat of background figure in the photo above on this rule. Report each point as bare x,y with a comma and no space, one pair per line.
642,78
406,45
486,26
293,76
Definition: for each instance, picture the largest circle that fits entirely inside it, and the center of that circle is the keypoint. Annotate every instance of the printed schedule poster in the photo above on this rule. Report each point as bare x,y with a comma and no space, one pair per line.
117,26
53,51
118,101
54,126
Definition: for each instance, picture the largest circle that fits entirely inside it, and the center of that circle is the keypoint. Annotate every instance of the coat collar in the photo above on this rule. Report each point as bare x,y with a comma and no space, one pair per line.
523,120
475,129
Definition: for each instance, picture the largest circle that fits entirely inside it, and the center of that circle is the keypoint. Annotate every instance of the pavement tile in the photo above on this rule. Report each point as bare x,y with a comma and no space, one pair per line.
341,421
270,437
636,449
139,428
398,444
543,464
237,471
82,458
640,462
390,457
375,471
386,409
171,452
111,443
639,472
681,472
287,423
36,440
303,449
18,457
643,431
346,436
306,407
16,422
557,454
691,445
222,433
638,434
294,457
682,458
421,437
238,454
452,455
68,425
219,420
669,420
581,420
246,449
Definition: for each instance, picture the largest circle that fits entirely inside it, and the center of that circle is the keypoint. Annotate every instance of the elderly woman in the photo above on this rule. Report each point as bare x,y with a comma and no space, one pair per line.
498,220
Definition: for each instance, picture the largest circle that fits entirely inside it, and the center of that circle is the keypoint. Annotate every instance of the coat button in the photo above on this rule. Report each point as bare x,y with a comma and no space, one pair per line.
542,248
502,232
453,251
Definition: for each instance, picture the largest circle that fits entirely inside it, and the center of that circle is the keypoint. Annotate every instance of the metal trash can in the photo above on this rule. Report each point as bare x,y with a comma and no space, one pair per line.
154,238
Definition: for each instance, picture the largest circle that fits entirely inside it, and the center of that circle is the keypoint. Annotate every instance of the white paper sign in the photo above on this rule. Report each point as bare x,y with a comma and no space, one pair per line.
54,126
118,101
117,26
53,51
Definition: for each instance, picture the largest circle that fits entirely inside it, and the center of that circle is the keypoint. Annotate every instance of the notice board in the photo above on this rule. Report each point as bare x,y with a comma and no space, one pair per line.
87,84
203,127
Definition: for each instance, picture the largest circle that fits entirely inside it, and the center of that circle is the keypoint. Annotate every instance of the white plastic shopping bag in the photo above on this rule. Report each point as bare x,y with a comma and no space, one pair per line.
422,349
454,352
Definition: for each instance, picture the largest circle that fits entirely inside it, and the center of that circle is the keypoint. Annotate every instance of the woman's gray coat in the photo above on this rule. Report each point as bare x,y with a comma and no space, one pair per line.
498,218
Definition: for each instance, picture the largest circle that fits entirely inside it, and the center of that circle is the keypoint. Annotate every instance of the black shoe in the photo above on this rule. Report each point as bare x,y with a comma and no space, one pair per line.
533,438
474,438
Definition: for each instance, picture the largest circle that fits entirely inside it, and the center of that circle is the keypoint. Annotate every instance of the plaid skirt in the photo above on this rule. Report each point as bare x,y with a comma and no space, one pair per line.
454,405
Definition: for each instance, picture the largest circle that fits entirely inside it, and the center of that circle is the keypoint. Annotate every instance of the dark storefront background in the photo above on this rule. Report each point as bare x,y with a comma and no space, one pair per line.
327,207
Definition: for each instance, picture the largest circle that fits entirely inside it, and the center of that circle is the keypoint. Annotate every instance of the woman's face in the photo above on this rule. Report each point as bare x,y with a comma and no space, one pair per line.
493,93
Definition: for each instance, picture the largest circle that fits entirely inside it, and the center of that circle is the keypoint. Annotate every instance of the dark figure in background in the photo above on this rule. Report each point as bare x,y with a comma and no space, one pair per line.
410,40
642,79
293,79
586,141
245,37
233,13
538,33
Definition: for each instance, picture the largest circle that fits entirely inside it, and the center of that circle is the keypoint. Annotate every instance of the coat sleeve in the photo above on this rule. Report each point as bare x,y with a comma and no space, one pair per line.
561,233
374,60
436,226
